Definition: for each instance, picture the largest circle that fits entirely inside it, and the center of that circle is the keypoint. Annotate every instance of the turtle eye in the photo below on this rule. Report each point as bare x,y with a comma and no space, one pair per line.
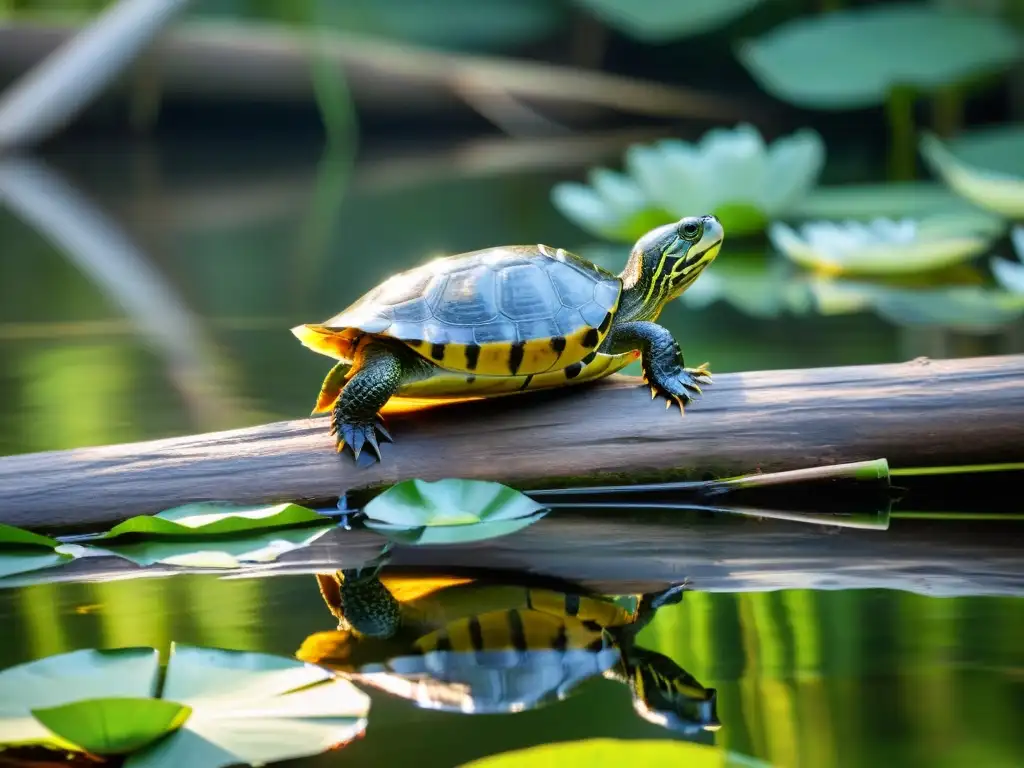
690,229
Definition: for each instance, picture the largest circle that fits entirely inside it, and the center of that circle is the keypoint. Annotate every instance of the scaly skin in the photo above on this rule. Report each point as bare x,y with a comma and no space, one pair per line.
662,361
380,370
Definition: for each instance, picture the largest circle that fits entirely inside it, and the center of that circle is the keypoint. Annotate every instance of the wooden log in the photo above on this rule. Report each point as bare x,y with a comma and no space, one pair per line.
613,552
915,414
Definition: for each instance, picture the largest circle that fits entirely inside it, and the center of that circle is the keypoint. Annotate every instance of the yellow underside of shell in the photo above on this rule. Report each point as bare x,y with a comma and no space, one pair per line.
455,385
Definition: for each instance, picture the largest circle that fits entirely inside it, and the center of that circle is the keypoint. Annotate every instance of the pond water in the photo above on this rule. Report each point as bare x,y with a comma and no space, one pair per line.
148,292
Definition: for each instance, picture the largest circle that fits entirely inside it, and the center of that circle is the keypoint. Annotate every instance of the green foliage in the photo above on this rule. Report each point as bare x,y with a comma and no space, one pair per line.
450,511
855,58
593,752
214,519
23,551
235,707
658,21
986,166
113,726
56,681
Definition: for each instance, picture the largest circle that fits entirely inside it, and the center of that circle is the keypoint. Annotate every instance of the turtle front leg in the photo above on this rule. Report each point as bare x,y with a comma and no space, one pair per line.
378,373
662,360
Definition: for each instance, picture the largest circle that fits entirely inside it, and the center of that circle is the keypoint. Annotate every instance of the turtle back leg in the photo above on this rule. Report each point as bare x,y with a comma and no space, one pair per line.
378,372
662,360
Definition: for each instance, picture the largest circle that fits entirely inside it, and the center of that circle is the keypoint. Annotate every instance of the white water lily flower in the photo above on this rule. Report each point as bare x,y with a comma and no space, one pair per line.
731,173
988,168
886,246
1010,274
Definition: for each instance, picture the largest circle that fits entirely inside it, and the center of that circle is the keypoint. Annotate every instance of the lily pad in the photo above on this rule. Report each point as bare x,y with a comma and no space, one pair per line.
591,752
453,534
214,519
853,58
658,21
986,166
452,501
22,551
886,246
60,680
1010,274
216,552
217,708
252,708
967,308
113,726
450,511
871,201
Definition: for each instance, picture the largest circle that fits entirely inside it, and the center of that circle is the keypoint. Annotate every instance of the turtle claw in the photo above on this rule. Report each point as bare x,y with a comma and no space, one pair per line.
358,436
681,386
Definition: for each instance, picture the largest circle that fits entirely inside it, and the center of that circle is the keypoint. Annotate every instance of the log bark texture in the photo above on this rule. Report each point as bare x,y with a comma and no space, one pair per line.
915,414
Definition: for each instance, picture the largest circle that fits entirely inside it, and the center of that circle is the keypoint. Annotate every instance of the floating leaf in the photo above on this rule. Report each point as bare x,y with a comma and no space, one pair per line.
212,519
590,752
453,534
113,726
450,511
233,707
216,552
1010,274
452,501
870,201
22,551
252,708
885,246
962,308
659,21
986,166
853,58
59,680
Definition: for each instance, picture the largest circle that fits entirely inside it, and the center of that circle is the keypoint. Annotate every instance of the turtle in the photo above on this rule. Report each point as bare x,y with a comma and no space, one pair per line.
510,319
480,647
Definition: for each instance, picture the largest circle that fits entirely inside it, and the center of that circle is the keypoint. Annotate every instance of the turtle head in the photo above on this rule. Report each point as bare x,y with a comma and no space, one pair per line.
666,261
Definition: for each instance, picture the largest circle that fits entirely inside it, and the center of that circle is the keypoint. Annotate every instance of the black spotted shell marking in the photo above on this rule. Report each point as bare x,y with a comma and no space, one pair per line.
498,311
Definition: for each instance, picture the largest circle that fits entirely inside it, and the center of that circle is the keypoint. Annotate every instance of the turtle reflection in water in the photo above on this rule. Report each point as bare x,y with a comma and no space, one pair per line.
479,648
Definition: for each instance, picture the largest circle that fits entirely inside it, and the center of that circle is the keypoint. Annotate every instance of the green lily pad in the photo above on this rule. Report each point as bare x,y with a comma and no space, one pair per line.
871,201
853,58
252,708
59,680
9,534
1010,274
214,519
216,552
453,534
590,752
658,21
113,726
986,166
217,708
452,501
22,551
450,511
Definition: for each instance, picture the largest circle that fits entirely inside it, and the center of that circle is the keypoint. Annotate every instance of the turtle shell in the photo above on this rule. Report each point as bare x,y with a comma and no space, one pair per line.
513,310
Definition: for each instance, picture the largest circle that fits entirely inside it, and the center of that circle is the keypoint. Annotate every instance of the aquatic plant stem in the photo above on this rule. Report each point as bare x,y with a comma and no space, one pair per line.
947,111
899,107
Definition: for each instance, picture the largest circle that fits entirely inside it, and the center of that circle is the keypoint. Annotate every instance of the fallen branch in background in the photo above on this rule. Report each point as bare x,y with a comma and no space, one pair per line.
917,414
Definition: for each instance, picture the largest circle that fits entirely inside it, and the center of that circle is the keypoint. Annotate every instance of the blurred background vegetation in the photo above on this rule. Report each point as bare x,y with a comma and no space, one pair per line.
253,164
